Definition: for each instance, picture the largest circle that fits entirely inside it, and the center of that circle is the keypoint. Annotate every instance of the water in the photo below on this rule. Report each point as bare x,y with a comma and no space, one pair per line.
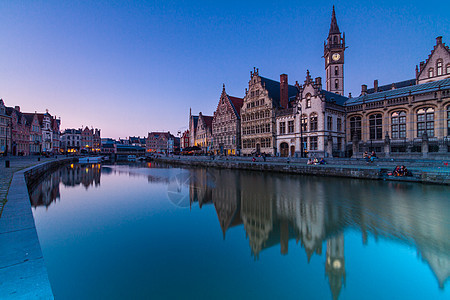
145,231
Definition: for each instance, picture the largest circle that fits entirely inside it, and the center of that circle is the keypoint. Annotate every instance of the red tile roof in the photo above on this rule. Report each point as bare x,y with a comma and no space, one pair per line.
237,103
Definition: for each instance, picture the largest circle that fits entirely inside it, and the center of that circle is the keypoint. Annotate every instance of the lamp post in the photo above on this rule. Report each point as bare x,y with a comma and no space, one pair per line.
298,111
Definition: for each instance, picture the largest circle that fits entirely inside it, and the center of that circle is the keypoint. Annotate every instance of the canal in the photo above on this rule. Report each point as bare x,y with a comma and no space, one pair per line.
140,231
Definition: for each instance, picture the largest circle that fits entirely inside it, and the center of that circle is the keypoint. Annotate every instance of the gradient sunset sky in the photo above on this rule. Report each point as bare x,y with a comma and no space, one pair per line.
131,68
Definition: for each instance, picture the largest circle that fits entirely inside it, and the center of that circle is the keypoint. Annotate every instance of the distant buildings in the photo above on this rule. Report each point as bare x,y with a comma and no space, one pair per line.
160,142
81,140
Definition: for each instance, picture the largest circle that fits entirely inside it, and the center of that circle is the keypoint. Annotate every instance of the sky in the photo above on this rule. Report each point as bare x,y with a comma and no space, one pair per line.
131,67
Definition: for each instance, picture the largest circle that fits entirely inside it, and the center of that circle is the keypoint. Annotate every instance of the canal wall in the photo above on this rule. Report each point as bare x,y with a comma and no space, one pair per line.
23,274
422,175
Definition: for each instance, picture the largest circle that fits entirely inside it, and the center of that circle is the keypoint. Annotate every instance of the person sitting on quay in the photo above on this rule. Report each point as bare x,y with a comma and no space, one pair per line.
310,161
373,156
366,157
322,161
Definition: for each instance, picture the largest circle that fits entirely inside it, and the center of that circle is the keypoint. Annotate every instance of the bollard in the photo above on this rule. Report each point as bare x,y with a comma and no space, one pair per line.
6,163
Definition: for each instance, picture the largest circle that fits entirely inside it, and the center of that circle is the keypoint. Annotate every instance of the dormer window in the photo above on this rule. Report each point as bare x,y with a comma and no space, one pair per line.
439,67
430,72
308,100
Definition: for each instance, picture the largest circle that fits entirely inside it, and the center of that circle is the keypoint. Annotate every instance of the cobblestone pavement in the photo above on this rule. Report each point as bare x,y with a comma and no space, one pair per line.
16,164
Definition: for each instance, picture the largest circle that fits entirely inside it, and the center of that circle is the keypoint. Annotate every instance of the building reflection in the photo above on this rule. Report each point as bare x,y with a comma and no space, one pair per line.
46,192
275,209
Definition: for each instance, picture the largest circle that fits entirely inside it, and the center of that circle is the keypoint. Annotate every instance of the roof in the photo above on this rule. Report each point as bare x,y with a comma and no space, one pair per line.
159,134
402,92
237,104
387,87
334,98
208,121
273,88
334,28
10,110
195,120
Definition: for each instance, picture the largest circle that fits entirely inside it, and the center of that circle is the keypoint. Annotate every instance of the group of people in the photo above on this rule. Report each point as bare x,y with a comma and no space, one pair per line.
400,171
369,157
315,161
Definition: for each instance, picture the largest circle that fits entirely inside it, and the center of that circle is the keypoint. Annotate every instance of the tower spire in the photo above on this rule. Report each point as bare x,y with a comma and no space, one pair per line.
334,28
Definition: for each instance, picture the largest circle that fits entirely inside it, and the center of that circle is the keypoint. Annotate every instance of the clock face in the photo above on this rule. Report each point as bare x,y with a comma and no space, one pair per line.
336,56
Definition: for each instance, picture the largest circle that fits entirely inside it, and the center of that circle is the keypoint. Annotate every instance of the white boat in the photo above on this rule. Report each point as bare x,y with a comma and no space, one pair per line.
90,159
131,157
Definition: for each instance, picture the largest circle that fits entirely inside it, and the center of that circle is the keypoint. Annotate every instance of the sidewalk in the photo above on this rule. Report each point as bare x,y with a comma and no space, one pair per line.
17,163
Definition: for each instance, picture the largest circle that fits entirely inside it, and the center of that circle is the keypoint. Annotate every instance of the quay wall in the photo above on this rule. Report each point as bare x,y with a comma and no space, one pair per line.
349,171
22,267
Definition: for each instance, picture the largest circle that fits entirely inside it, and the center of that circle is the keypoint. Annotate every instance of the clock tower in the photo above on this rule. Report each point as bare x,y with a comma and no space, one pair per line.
333,53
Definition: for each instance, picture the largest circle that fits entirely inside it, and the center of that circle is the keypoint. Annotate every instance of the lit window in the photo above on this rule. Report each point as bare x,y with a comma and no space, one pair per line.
308,100
425,122
439,67
398,125
313,122
304,122
430,72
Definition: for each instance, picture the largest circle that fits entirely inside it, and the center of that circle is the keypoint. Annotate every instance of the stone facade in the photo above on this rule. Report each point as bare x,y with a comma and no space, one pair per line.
35,132
203,134
262,100
20,132
405,118
160,142
71,140
226,125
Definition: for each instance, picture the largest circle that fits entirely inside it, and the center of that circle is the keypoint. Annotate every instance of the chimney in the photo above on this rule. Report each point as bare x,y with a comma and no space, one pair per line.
421,65
319,83
439,40
363,89
393,86
349,95
284,95
17,108
375,85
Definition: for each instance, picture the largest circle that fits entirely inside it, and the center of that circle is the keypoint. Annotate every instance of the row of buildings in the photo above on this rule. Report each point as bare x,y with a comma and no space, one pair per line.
411,117
28,133
24,133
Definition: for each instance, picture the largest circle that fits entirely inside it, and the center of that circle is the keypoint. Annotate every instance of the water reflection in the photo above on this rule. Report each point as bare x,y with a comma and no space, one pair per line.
45,192
274,209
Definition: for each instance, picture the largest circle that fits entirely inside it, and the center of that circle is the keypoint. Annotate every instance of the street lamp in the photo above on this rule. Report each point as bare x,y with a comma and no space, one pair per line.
298,111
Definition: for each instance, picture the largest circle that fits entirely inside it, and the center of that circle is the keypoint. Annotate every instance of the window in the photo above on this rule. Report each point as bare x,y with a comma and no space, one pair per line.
339,124
313,122
448,120
398,125
447,69
330,123
267,127
439,67
308,100
339,143
430,72
336,84
304,121
290,126
313,143
282,127
376,127
355,127
425,122
336,70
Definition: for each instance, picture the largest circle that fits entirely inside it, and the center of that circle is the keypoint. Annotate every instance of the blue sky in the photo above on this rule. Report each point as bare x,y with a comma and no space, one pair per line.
131,68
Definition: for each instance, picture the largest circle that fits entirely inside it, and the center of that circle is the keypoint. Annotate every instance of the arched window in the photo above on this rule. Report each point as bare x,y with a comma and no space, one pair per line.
439,66
376,127
448,120
336,70
398,125
335,40
304,122
355,127
425,122
447,69
336,84
430,72
313,121
308,100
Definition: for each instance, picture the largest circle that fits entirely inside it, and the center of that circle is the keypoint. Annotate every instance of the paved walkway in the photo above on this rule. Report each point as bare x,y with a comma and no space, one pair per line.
17,163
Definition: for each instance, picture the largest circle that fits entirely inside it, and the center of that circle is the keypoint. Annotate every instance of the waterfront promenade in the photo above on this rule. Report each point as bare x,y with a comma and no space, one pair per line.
23,274
425,171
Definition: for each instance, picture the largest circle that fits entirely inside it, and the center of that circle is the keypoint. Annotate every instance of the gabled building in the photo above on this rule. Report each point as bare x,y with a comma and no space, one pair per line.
71,140
226,125
203,133
261,103
5,129
35,130
20,136
185,140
